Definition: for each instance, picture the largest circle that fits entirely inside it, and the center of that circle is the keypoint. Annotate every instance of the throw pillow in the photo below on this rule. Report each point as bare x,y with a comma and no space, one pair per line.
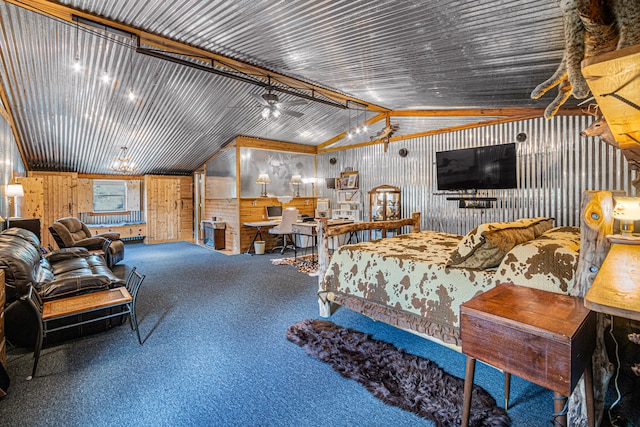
486,245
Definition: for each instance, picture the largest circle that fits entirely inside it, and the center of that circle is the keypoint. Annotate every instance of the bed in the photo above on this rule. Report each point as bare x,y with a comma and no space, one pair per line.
417,281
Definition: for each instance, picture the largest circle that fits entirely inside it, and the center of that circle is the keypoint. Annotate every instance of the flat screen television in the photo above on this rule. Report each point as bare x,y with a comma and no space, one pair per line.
481,168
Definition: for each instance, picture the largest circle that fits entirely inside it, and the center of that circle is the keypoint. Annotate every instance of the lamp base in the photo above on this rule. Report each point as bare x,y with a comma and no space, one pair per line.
625,239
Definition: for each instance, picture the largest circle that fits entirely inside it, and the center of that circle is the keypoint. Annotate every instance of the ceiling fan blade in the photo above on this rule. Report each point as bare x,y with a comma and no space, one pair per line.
260,99
292,103
291,113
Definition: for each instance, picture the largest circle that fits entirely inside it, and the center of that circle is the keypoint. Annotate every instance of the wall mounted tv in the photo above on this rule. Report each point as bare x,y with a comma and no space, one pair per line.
481,168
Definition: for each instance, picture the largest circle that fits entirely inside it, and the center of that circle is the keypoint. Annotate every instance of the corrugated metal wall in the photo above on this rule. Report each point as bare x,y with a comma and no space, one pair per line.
555,166
9,161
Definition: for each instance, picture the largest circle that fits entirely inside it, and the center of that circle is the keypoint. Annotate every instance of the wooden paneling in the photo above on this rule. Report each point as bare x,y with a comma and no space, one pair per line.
133,195
33,200
186,208
85,195
254,210
60,200
163,208
225,210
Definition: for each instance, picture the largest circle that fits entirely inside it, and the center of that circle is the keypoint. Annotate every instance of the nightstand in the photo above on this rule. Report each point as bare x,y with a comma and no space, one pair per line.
543,337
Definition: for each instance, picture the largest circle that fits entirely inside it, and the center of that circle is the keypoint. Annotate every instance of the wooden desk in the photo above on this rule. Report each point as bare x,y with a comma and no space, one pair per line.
543,337
616,288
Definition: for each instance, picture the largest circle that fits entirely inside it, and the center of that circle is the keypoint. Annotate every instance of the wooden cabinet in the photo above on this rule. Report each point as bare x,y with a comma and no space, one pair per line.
169,208
384,203
129,231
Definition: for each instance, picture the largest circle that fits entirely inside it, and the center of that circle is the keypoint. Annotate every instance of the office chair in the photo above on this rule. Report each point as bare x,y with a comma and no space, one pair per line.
289,217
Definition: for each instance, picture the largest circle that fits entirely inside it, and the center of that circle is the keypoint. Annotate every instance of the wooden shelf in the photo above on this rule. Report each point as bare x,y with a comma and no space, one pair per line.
616,288
617,72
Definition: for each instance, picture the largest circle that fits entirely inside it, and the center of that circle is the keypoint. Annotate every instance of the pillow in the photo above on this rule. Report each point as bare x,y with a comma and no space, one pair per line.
486,245
548,262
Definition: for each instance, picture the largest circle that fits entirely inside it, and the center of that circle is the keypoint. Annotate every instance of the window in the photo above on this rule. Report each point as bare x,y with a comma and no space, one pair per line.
109,196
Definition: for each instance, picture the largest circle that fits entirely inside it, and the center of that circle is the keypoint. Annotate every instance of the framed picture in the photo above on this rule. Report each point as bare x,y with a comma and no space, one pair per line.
349,180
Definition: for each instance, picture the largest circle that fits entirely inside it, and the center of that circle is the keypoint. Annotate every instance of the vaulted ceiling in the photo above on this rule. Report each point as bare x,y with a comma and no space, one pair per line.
195,68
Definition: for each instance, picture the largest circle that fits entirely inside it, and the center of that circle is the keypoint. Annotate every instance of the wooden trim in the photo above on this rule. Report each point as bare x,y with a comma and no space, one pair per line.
66,13
340,136
269,144
114,177
480,112
431,132
109,213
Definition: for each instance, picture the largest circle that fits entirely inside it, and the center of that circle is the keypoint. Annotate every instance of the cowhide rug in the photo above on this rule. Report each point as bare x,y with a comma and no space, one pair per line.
395,377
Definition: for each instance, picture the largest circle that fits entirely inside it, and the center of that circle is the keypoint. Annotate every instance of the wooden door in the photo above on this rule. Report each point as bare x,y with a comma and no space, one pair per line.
163,208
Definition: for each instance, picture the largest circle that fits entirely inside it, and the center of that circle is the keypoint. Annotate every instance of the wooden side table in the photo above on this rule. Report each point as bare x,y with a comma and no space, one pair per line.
543,337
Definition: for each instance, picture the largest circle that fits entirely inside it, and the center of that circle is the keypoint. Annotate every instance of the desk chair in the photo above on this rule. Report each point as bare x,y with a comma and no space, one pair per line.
289,217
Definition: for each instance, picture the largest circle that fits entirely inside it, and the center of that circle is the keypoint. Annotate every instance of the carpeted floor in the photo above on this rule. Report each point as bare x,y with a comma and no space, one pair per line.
215,354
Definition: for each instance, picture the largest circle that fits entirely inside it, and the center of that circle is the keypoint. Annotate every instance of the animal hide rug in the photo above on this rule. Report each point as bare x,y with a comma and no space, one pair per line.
395,377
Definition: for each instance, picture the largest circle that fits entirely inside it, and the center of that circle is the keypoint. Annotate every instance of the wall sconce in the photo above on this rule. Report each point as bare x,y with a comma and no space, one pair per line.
263,179
627,210
15,191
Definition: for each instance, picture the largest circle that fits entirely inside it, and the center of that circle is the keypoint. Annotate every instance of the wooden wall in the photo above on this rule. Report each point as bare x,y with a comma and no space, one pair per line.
226,210
252,210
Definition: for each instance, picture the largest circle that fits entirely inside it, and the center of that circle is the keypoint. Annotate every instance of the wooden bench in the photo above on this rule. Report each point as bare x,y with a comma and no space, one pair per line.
123,296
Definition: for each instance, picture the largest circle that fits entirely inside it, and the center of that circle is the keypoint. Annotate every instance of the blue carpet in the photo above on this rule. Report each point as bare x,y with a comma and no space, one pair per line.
215,354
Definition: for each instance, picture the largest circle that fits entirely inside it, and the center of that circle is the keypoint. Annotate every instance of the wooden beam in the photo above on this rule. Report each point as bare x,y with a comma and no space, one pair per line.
269,144
340,136
66,13
502,112
106,176
431,132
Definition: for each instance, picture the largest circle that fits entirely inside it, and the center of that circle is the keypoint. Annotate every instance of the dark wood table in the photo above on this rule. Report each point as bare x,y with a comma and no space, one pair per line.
543,337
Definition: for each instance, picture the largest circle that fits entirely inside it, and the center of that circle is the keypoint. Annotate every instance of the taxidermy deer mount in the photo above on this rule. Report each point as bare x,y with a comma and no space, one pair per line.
600,128
591,27
384,134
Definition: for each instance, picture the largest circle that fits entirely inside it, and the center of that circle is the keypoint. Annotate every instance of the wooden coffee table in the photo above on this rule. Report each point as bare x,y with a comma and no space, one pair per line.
543,337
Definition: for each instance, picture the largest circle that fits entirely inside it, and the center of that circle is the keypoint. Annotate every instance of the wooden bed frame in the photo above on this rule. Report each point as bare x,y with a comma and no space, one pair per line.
325,233
596,222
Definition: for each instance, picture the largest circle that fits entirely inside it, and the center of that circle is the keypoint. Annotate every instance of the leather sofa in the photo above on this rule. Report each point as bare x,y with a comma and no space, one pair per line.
71,232
58,274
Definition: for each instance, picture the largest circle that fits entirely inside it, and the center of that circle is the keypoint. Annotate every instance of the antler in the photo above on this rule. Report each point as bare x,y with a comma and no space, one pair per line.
593,110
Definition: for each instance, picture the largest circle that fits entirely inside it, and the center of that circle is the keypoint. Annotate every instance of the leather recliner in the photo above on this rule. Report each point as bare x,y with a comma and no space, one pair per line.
59,274
72,233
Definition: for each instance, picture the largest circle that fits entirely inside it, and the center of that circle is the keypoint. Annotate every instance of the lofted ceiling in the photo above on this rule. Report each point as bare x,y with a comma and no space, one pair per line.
350,59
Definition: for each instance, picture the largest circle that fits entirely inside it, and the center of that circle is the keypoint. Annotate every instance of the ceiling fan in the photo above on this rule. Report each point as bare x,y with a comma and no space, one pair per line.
272,108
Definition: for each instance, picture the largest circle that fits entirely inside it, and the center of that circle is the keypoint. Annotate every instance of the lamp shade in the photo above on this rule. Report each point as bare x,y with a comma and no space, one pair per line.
627,208
296,179
263,178
14,190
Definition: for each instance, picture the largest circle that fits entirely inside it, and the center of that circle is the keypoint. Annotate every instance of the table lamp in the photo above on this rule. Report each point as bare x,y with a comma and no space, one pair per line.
627,210
263,179
15,191
296,180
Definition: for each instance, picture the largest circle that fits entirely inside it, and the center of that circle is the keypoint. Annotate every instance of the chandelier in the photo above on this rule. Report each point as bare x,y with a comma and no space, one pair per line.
123,163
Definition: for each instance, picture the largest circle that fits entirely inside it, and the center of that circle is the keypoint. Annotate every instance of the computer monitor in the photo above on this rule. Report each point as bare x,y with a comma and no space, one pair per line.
274,212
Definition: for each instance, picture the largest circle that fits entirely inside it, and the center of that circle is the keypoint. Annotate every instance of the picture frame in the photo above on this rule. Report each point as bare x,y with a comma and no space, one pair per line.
349,180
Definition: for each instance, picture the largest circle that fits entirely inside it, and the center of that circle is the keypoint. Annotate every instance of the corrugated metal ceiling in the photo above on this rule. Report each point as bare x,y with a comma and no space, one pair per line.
396,54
